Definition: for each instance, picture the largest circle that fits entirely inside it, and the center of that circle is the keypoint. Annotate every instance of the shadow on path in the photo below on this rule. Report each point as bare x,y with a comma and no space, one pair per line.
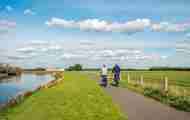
139,107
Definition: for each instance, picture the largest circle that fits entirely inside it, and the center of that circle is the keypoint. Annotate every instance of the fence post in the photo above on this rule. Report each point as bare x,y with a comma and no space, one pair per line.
128,78
142,82
184,92
166,84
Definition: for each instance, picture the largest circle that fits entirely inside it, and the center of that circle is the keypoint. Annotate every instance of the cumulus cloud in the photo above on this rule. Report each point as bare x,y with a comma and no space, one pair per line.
29,12
47,50
9,8
186,51
39,47
18,57
183,44
183,47
28,49
164,57
132,26
38,42
170,27
87,43
72,56
101,25
119,55
113,53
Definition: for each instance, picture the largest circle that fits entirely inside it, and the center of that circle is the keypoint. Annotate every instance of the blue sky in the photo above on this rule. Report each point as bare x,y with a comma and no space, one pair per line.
58,33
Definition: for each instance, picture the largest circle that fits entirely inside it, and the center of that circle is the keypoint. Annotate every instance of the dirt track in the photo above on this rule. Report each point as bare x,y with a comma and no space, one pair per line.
138,107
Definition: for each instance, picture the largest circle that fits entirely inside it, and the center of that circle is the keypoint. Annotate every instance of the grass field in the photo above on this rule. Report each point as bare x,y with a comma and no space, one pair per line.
76,98
178,81
176,78
181,78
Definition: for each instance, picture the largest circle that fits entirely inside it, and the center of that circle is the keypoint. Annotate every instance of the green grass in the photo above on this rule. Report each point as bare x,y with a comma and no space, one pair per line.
77,98
180,78
178,81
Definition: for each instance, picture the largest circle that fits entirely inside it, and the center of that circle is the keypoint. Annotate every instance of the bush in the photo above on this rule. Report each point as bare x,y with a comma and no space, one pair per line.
179,102
155,93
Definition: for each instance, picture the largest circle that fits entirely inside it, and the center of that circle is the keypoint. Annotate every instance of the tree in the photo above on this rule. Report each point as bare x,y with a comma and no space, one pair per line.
76,67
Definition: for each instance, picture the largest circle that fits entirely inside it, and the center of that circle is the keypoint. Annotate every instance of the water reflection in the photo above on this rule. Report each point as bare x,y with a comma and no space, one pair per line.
11,79
10,87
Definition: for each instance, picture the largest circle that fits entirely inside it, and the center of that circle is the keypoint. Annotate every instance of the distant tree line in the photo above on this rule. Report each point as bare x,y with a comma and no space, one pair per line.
36,69
169,69
148,69
133,69
90,69
78,67
110,69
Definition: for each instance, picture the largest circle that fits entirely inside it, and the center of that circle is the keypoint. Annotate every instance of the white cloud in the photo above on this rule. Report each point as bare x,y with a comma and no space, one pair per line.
187,51
71,56
87,43
19,57
29,12
117,55
101,25
183,47
39,47
183,44
38,42
28,49
9,8
164,57
170,27
55,53
54,47
132,26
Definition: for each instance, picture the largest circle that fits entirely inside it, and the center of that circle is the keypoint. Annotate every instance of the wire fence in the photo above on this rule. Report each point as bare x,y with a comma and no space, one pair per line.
164,83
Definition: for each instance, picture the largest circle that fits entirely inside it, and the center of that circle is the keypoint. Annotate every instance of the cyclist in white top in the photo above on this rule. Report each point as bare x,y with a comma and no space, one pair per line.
104,72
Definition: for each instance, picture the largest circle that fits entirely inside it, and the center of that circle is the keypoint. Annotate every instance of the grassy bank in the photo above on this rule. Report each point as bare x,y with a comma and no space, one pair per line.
76,98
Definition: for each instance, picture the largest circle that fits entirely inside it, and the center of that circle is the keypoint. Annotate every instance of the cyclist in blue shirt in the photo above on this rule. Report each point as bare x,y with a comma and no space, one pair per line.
116,71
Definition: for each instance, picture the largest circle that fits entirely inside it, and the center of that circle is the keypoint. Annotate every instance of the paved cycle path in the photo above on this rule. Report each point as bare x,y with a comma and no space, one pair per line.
138,107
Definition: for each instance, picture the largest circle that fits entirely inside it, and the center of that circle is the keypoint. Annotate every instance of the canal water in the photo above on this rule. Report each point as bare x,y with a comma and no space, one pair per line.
10,87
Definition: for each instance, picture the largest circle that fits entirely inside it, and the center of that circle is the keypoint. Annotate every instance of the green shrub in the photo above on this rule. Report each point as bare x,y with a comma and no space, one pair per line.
154,93
179,102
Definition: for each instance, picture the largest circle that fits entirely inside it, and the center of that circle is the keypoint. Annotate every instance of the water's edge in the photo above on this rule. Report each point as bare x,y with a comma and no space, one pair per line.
19,97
